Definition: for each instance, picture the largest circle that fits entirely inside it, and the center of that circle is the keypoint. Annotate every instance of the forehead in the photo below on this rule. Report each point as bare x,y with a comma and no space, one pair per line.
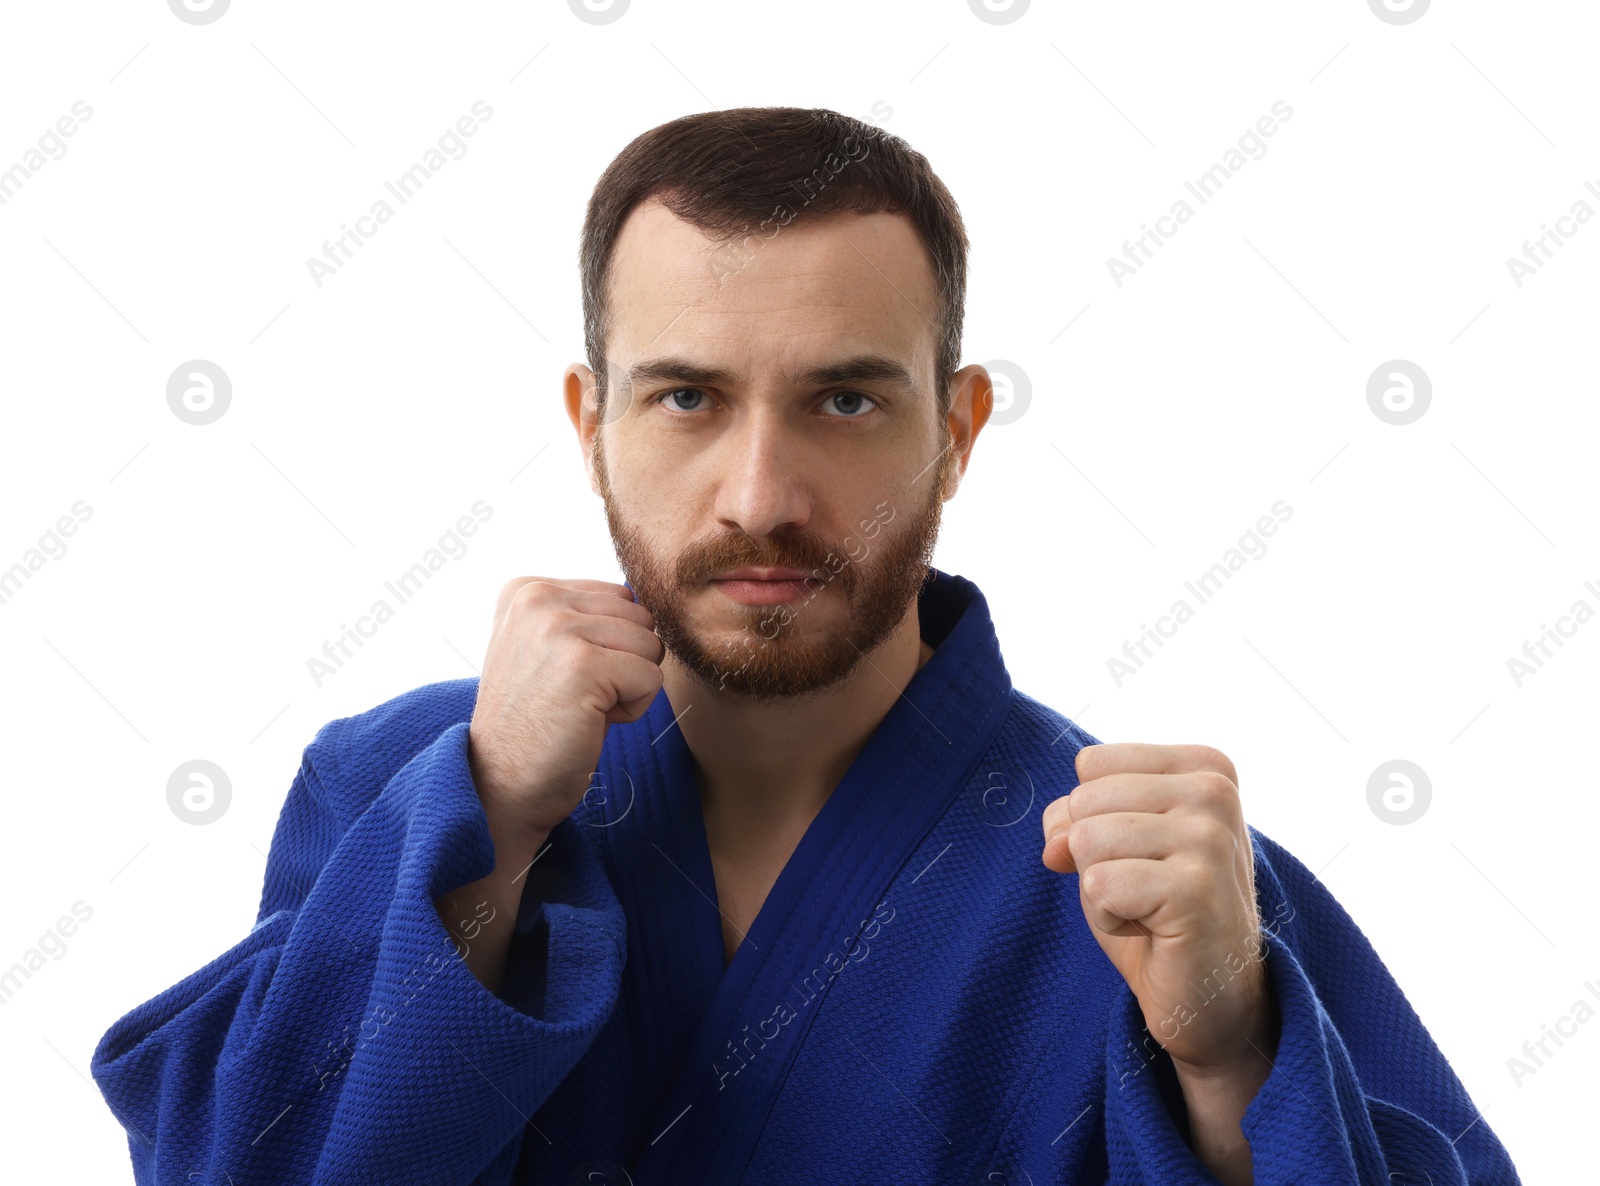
841,283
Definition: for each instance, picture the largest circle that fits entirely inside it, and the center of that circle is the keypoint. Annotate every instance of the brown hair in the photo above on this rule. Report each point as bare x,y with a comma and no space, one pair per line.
725,171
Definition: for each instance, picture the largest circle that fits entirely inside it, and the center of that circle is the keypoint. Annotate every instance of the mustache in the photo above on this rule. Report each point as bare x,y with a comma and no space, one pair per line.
803,550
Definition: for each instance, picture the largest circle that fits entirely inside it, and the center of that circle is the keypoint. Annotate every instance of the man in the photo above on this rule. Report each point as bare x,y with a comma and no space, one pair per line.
757,868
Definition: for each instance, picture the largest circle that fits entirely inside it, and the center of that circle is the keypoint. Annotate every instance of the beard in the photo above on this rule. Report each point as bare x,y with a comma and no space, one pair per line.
769,658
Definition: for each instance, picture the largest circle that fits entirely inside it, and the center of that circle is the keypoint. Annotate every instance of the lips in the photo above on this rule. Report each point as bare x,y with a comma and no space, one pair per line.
751,573
756,584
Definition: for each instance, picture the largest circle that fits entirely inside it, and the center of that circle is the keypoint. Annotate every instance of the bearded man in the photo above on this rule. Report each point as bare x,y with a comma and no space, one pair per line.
756,868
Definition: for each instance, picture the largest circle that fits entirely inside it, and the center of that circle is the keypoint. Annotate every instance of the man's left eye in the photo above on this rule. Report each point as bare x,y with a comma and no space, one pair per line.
852,403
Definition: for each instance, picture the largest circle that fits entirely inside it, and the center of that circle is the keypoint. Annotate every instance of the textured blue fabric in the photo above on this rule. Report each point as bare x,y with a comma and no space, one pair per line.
919,1000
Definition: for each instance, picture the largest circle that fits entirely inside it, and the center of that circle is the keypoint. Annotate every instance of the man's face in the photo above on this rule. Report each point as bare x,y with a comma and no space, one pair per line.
838,477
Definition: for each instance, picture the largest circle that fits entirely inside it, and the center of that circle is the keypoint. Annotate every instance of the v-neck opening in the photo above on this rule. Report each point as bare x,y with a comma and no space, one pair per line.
685,998
937,614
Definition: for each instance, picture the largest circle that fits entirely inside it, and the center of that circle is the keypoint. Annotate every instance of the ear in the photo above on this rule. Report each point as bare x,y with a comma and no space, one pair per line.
578,393
971,404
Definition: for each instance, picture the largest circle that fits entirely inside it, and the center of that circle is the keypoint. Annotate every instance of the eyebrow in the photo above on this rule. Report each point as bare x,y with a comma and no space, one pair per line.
862,368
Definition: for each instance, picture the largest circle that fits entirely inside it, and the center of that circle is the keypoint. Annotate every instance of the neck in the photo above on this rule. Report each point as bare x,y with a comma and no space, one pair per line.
766,767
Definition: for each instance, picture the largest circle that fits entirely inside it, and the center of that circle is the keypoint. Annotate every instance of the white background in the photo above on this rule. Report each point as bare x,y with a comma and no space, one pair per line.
1230,372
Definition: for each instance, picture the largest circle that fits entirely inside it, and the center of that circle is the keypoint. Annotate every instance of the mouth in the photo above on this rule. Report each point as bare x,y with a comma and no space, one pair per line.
762,586
753,573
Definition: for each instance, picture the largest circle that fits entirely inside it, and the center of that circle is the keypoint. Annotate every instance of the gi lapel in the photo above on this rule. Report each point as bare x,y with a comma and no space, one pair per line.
756,1013
645,809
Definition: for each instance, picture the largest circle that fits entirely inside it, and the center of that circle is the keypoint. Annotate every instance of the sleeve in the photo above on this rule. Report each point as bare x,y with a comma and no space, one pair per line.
343,1039
1358,1092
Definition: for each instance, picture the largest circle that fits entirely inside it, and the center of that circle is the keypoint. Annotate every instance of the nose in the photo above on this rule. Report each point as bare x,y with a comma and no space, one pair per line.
763,485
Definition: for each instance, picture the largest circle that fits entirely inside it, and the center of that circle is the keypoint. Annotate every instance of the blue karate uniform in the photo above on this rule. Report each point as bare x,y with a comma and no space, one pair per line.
919,999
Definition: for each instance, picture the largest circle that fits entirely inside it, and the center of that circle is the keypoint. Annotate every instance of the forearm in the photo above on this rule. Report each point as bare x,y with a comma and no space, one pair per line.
1216,1098
481,915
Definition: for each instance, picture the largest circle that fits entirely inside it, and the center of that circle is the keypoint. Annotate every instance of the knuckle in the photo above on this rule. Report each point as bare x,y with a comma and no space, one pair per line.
1216,790
1216,840
504,598
572,660
1084,800
1195,880
1093,881
519,588
1084,839
562,625
520,600
1213,759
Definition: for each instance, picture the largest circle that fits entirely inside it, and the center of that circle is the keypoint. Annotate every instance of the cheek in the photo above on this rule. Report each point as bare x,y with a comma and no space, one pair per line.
657,508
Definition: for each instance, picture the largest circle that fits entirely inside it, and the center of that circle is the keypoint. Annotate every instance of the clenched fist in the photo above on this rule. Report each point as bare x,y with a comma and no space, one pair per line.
566,659
1166,878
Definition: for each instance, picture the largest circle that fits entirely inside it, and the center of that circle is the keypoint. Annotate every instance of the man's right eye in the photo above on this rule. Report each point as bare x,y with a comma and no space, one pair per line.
694,395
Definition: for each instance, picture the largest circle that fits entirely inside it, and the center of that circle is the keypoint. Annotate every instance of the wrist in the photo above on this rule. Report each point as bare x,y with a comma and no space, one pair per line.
517,841
1236,1073
1252,1055
512,822
508,821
